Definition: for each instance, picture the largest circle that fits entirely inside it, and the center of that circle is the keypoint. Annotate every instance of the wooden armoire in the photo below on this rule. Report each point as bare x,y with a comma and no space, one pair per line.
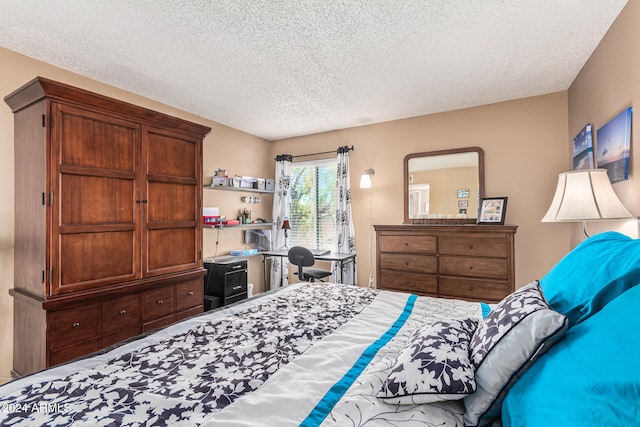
108,230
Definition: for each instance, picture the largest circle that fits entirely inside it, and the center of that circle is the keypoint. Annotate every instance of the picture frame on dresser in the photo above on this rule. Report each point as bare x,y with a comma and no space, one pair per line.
493,211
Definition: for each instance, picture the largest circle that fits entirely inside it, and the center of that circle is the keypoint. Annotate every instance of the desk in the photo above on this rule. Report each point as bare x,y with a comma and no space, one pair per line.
331,256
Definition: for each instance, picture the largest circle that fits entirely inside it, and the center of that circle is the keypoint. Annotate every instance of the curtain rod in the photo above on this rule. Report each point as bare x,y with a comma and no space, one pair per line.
343,149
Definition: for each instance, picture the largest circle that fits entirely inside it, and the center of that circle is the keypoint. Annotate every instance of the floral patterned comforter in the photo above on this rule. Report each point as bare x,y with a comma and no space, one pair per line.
265,362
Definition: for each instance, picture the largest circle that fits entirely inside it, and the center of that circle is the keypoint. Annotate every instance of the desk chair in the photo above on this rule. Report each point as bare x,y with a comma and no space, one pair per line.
302,257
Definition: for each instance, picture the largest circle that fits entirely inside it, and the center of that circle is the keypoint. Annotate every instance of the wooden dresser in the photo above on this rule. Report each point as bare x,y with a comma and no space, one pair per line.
108,228
472,262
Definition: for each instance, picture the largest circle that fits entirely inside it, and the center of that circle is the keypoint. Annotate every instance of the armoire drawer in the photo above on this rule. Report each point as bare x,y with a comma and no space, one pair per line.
490,268
118,313
409,263
70,353
73,325
158,303
189,294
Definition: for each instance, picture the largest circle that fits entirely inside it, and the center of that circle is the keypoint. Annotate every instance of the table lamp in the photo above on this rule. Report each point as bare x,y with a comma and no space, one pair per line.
585,195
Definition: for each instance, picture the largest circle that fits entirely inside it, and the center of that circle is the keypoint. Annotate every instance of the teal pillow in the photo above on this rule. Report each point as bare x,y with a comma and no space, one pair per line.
591,377
592,274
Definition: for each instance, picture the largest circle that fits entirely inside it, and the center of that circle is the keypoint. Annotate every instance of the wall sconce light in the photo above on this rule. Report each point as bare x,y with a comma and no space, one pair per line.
365,179
585,195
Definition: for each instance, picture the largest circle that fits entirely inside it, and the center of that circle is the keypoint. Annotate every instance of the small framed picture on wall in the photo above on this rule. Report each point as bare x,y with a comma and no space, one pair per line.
493,211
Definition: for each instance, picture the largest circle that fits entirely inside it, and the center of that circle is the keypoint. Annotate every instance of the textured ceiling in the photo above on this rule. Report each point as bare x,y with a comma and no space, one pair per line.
281,68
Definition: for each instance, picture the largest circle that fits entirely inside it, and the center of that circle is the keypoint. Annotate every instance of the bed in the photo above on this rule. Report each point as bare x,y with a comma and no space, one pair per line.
340,355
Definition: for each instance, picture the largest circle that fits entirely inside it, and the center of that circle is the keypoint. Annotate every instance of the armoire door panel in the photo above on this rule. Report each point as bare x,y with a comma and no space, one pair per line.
89,260
171,248
96,140
171,202
171,155
96,200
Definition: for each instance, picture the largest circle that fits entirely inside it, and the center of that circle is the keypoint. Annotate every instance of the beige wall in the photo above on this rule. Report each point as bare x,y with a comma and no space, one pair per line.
608,83
525,148
224,147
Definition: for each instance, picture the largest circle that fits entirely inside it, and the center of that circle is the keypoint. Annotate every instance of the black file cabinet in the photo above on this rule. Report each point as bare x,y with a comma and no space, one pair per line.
226,280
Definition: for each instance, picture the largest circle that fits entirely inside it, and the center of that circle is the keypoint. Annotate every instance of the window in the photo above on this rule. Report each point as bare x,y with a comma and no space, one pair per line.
313,204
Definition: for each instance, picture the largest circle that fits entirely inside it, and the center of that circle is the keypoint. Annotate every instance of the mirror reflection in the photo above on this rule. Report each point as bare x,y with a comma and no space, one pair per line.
443,186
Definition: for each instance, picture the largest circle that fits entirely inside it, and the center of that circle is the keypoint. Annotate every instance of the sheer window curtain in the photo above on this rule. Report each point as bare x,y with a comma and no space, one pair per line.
281,210
345,231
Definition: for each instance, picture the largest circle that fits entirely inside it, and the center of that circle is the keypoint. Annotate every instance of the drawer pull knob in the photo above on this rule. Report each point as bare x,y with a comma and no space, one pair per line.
190,293
123,311
160,301
235,288
75,325
470,246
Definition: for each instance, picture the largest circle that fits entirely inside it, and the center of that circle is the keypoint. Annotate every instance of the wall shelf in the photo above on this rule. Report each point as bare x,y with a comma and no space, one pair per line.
252,225
237,189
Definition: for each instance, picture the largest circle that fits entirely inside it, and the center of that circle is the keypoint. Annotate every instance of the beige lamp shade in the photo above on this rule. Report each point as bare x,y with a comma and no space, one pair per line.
585,195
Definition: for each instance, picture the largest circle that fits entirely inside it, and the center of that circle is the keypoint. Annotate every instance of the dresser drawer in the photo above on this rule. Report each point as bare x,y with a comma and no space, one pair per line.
472,289
474,246
73,326
158,303
407,282
408,243
189,294
485,268
409,263
121,312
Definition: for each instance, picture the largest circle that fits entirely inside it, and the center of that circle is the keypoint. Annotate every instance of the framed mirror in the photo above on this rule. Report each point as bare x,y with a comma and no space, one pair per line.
443,187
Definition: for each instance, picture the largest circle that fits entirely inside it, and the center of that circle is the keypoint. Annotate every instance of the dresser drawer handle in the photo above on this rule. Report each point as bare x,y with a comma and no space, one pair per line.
75,325
235,288
160,301
471,247
190,293
123,312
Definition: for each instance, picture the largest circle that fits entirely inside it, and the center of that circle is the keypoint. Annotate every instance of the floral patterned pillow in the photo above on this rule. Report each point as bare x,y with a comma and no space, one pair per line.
514,335
433,365
503,318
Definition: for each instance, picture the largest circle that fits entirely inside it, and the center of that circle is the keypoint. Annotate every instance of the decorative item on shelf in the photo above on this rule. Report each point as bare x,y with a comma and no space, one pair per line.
249,199
585,195
493,211
269,184
219,181
246,216
211,216
247,182
365,179
220,178
286,227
